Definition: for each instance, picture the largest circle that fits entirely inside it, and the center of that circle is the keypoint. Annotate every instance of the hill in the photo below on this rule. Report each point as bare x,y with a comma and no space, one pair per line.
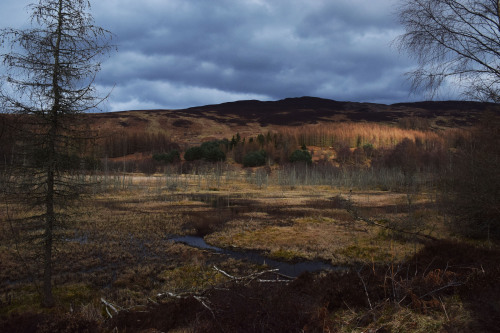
251,117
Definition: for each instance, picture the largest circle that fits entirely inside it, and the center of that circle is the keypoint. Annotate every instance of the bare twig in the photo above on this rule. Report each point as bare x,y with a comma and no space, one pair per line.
444,309
366,291
277,280
178,296
109,314
254,276
451,284
203,300
108,306
425,270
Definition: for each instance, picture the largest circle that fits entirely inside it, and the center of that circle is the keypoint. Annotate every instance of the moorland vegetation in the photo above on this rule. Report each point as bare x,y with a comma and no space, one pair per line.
377,199
397,205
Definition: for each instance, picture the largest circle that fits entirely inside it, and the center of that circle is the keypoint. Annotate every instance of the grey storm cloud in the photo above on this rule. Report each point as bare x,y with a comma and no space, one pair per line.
182,53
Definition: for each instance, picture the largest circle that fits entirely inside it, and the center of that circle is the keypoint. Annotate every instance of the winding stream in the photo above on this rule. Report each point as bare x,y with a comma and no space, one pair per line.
289,269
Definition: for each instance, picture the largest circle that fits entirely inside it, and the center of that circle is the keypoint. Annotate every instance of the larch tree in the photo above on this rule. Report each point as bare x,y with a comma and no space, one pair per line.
48,81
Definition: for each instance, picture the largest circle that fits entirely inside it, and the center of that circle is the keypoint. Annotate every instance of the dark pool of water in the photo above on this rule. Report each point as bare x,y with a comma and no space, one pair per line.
290,269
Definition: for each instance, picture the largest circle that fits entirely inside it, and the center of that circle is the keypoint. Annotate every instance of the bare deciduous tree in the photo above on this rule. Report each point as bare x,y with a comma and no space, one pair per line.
460,40
48,80
453,39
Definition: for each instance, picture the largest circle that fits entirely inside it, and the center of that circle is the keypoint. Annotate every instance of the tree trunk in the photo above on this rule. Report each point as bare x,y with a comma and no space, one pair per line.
50,216
48,298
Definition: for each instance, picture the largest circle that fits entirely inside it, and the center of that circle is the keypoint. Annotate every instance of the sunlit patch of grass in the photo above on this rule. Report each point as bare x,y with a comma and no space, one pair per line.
309,239
313,220
366,253
314,236
25,299
389,318
403,319
190,277
74,294
282,254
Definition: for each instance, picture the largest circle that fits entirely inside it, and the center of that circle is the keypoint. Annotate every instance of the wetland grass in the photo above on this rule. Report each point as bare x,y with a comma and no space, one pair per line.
119,249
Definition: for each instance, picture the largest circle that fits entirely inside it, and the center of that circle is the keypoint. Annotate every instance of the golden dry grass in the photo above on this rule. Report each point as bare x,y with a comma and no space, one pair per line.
116,243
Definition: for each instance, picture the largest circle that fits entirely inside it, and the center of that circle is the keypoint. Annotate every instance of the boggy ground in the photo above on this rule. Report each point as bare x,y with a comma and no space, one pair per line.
116,248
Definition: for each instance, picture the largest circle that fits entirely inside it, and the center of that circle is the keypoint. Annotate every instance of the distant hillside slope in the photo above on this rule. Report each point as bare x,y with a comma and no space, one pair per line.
251,117
297,111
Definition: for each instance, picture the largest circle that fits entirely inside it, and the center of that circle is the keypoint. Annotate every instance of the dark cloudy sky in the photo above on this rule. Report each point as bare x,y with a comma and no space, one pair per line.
183,53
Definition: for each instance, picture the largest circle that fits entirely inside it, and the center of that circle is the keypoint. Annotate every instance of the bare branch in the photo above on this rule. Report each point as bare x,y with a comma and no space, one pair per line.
453,40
